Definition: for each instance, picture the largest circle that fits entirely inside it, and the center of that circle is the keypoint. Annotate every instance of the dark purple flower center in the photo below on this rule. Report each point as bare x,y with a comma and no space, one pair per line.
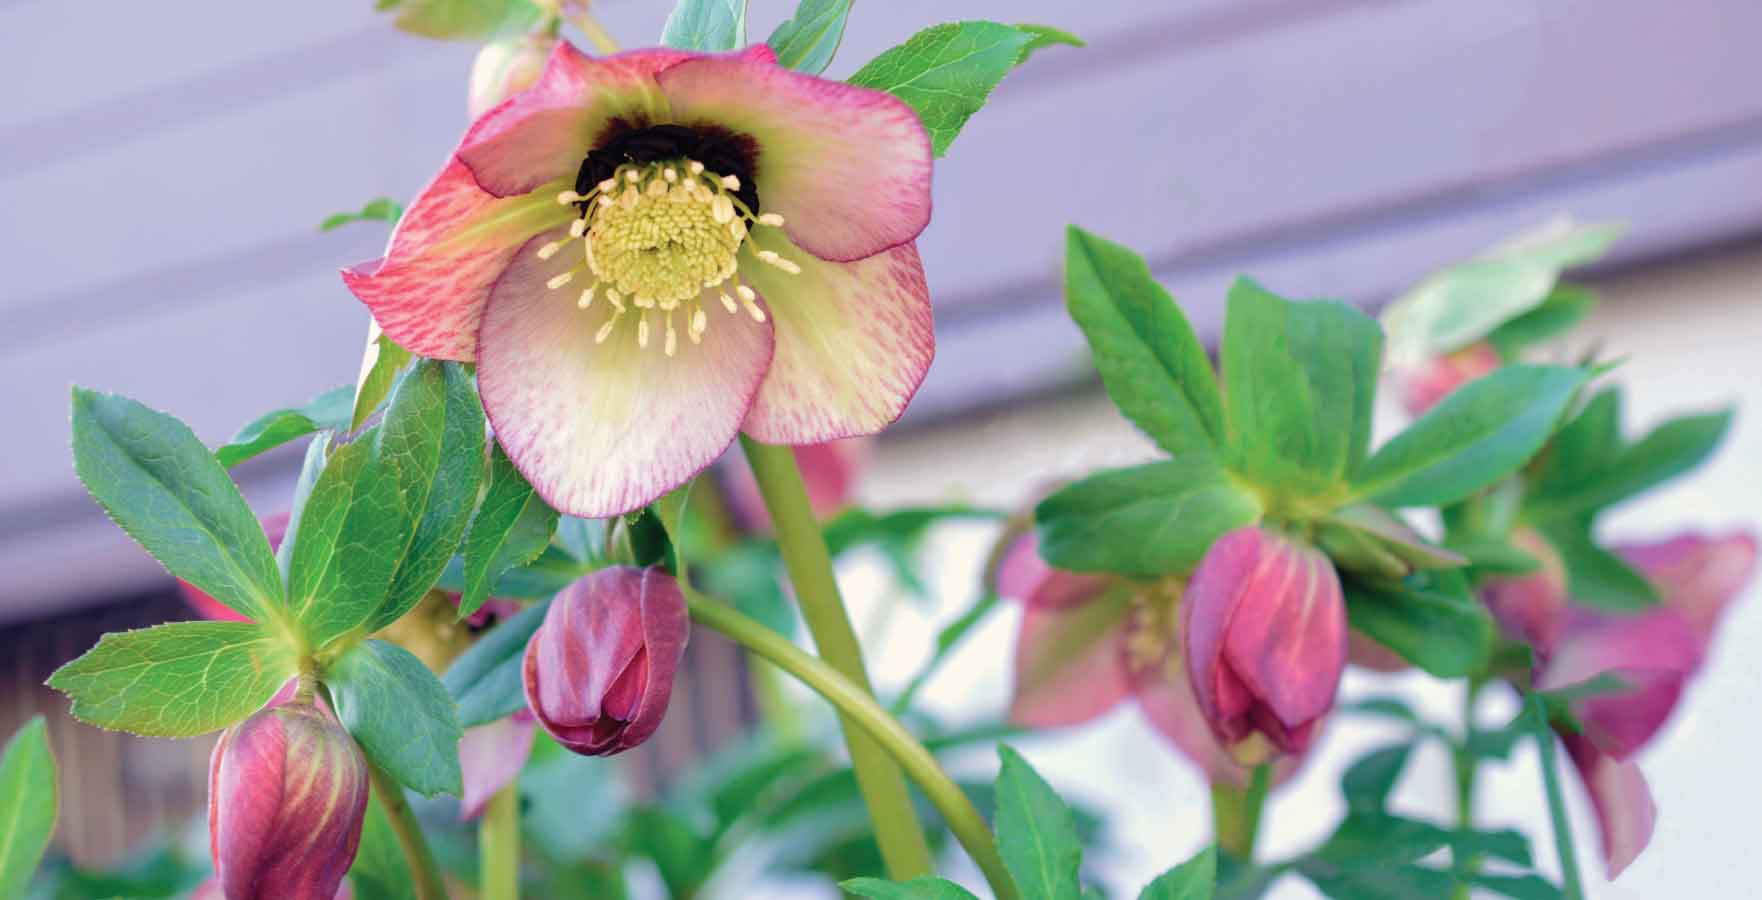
721,151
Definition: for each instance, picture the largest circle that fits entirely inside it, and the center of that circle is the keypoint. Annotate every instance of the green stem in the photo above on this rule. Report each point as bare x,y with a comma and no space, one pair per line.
1235,813
1573,886
803,546
1466,764
498,847
858,707
425,875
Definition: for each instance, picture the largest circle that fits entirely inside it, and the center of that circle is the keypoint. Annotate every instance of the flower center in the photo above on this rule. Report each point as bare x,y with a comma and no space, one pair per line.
1151,629
660,235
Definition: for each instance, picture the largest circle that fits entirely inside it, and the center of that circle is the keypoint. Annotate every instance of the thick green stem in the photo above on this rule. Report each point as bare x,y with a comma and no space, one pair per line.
1235,813
803,546
858,707
425,874
498,847
1573,884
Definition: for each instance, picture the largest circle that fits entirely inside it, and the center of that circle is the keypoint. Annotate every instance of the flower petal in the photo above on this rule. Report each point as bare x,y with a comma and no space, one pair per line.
1070,662
1287,639
1698,576
1622,800
491,757
853,342
846,166
542,134
1653,655
428,291
602,429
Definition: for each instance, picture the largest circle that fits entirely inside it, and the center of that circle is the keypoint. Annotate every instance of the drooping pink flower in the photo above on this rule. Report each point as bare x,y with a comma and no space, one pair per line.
647,253
287,795
275,528
1264,634
1696,575
491,757
1621,799
829,471
1530,608
1651,655
599,671
1423,386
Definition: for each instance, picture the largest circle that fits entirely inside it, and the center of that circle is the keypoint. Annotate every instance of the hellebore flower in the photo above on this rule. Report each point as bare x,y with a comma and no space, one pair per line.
1434,379
648,253
506,67
1530,608
1264,635
600,668
287,793
1088,642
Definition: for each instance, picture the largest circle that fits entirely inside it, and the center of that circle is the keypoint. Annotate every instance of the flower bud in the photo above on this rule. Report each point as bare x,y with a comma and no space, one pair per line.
600,668
1423,386
1264,632
506,67
287,793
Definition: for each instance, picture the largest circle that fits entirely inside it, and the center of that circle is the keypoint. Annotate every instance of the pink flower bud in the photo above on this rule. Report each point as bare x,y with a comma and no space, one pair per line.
1423,386
1530,608
1651,654
599,670
1264,632
287,792
506,67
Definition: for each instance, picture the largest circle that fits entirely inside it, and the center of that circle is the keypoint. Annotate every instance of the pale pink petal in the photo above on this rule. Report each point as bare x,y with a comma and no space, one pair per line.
846,166
1070,664
1211,601
1287,640
1621,799
1024,576
853,342
1652,654
428,291
491,757
1698,576
602,429
541,134
1169,706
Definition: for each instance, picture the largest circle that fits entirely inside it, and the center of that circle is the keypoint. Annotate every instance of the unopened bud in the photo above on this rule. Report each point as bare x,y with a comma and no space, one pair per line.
506,67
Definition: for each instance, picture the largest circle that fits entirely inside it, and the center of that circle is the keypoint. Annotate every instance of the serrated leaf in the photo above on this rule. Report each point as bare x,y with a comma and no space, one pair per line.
382,209
926,887
329,410
711,26
1480,433
162,486
175,680
341,561
466,20
400,714
1153,519
485,679
512,527
1301,380
28,805
946,72
1151,362
808,40
1195,879
1430,619
1036,833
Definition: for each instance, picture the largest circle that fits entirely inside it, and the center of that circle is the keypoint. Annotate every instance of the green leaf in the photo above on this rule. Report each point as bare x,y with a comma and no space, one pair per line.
1519,887
342,538
1152,519
1367,782
711,26
383,209
1430,618
1301,380
512,527
485,679
1668,451
684,857
946,72
465,20
379,871
1374,882
1482,432
400,714
1587,445
1195,879
808,41
1035,832
381,364
1557,314
157,481
1151,362
1595,577
1467,301
926,887
176,680
1368,842
28,794
329,410
1044,36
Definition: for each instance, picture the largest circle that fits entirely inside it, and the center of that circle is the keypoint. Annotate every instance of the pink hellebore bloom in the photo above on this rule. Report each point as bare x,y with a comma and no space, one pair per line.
1264,633
275,528
599,670
1423,386
647,253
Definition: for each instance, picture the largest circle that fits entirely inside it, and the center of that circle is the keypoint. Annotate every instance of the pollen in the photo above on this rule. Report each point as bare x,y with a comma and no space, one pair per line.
665,236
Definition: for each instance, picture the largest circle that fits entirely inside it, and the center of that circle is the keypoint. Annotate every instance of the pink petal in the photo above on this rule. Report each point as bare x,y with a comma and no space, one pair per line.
1166,696
1423,386
428,291
1210,602
1698,576
491,757
1653,654
1024,576
1070,663
542,134
846,166
853,343
829,471
602,429
1622,800
1531,608
1287,639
